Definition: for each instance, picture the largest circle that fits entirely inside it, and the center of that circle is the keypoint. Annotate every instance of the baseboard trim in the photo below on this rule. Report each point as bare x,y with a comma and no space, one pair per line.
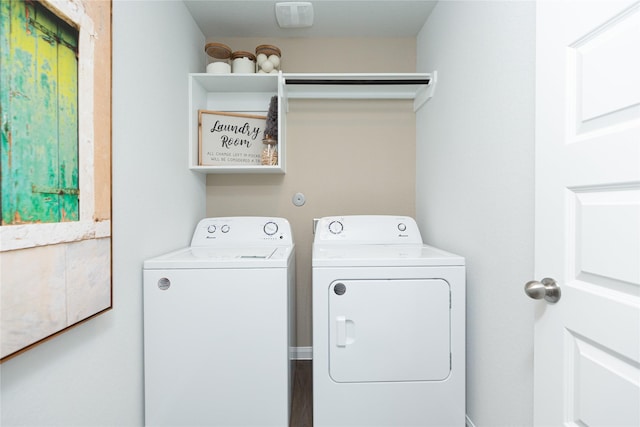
301,353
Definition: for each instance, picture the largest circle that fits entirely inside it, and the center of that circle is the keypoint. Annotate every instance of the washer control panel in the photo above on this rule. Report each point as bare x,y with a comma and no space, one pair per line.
368,229
242,230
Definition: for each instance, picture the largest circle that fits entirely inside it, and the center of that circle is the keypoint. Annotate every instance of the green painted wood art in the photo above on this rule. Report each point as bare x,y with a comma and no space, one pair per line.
39,113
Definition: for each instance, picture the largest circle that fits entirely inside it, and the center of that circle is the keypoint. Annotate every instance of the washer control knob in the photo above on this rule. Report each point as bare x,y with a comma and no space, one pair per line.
270,228
336,227
211,229
402,226
224,228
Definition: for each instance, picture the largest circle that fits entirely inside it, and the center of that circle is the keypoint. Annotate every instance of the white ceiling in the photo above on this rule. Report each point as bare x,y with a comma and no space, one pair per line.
332,18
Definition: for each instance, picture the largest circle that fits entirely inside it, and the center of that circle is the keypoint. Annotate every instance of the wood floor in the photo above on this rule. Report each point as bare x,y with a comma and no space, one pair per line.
302,400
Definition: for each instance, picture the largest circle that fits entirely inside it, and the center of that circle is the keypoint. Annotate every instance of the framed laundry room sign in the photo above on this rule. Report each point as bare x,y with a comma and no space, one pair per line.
229,139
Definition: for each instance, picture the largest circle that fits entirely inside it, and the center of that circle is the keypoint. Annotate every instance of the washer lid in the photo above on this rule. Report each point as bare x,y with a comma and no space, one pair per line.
215,257
382,256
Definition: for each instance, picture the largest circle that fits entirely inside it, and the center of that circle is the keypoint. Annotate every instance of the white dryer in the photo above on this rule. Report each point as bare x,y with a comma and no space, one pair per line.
218,326
388,326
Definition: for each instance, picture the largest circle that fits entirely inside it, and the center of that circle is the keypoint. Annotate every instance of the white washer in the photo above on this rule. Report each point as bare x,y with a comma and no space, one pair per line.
388,326
218,326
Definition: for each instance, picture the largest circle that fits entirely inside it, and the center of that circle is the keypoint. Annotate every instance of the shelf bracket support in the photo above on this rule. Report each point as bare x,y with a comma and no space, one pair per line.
427,93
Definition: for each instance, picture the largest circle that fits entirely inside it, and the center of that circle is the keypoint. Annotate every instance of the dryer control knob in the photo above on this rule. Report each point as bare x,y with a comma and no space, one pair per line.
336,227
402,226
224,228
211,229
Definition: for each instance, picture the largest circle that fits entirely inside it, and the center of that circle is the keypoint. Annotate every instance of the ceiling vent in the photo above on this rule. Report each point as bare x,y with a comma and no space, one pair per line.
294,14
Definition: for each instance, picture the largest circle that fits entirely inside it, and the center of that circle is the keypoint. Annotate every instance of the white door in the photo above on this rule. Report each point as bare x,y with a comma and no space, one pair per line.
587,345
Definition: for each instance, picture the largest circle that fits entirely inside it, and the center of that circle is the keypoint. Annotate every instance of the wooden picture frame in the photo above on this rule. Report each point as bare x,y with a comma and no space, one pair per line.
230,139
55,268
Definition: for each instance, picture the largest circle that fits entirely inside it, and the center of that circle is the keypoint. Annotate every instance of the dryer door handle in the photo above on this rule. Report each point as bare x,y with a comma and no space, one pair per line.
341,331
345,331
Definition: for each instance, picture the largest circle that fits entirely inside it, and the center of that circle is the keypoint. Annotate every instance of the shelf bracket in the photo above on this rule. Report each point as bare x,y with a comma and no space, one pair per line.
426,93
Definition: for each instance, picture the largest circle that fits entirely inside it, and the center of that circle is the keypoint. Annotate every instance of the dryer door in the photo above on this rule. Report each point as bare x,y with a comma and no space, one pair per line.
389,330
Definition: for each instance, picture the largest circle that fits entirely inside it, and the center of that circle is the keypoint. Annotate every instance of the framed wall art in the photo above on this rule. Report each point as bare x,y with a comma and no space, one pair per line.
55,153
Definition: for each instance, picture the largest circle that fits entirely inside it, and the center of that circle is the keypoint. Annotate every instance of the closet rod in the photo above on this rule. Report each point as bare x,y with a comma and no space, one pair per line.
356,82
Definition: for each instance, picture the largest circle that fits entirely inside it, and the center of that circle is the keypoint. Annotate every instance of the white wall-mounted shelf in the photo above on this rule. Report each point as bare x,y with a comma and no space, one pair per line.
240,93
251,93
416,86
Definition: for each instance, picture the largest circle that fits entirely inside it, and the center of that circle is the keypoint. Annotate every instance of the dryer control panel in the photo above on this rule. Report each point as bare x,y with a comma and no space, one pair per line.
367,229
242,231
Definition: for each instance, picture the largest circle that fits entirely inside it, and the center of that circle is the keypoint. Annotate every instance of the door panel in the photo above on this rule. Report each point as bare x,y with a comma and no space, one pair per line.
605,248
587,345
602,385
607,83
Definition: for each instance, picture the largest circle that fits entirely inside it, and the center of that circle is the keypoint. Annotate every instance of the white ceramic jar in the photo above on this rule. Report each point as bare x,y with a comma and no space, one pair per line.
218,58
243,62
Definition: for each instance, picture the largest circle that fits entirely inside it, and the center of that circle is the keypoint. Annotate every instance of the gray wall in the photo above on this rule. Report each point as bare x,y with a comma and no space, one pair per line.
92,374
475,159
